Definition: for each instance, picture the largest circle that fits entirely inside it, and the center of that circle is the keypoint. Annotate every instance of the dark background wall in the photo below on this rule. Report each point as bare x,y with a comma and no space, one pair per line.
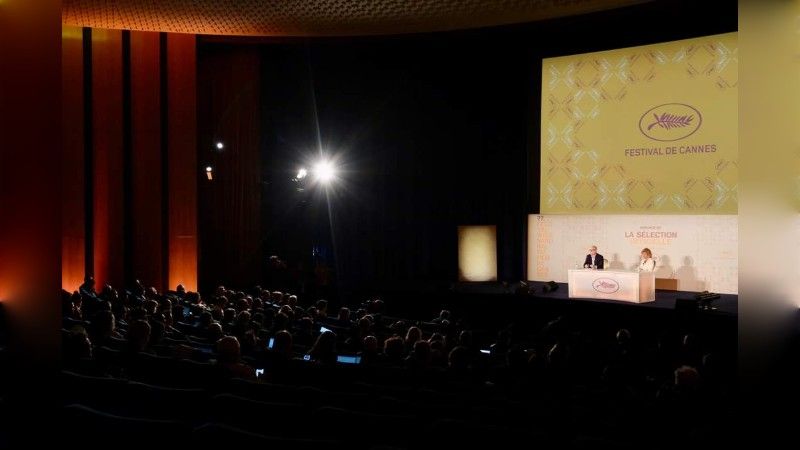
430,131
428,134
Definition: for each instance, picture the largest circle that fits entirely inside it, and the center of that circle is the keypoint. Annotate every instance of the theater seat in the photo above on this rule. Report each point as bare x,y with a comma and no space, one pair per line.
214,435
97,392
97,429
160,402
275,419
374,428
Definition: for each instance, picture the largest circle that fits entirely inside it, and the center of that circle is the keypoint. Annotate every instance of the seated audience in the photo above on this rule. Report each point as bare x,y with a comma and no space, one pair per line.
229,359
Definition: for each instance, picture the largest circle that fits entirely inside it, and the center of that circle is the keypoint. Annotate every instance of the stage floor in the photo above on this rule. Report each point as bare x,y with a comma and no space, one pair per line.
727,304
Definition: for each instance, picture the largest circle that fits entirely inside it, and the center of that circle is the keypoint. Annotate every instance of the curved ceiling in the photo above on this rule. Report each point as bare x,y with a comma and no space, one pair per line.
320,17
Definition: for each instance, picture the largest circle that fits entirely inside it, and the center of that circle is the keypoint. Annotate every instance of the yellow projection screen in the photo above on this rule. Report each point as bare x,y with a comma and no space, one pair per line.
650,129
477,253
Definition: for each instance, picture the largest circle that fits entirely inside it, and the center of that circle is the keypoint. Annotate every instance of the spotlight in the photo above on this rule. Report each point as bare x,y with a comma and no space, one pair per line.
324,171
209,172
220,146
301,174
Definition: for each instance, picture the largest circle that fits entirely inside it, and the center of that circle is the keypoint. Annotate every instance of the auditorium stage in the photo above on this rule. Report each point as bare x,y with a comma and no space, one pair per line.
727,304
483,301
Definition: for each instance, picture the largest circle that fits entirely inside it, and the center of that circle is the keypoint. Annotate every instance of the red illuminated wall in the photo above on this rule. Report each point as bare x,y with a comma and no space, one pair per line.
73,243
146,188
130,173
183,170
30,179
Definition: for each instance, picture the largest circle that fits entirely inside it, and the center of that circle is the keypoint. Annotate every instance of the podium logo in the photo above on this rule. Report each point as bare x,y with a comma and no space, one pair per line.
670,122
605,285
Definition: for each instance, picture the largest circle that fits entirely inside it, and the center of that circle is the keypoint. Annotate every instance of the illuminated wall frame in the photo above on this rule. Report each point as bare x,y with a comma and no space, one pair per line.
477,253
137,217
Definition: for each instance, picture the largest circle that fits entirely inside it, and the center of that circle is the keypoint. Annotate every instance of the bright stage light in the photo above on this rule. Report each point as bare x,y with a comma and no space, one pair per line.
220,145
301,174
324,171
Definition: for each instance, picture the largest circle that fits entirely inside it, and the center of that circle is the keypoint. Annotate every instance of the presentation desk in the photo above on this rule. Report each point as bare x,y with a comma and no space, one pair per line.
636,287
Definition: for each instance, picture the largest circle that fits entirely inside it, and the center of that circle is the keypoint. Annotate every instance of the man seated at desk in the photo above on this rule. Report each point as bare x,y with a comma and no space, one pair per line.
593,260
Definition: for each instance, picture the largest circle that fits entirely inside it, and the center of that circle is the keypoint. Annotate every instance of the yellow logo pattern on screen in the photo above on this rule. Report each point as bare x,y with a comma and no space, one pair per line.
650,129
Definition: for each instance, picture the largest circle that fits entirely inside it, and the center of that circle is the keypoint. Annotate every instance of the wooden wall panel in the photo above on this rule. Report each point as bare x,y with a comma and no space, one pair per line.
183,170
73,185
108,175
146,240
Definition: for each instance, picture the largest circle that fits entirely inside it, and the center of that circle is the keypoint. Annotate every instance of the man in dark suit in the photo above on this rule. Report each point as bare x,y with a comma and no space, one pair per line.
593,259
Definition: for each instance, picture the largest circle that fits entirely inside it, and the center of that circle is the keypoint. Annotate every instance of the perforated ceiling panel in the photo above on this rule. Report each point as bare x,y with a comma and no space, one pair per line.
320,17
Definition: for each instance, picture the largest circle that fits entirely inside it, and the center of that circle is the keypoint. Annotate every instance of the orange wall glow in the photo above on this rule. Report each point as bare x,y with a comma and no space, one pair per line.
182,235
130,234
30,179
146,230
73,210
107,151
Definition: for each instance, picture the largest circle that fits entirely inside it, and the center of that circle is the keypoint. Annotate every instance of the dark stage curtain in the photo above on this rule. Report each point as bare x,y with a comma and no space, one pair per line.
230,204
426,137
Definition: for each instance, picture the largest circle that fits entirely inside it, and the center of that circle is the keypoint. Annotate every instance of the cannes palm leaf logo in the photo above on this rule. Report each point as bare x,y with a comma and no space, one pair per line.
667,121
670,121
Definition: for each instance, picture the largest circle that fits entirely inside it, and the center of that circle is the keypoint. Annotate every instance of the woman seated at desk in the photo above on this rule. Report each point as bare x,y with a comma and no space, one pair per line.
647,263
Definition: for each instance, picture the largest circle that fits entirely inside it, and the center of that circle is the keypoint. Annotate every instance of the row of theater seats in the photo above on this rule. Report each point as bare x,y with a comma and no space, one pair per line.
284,416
